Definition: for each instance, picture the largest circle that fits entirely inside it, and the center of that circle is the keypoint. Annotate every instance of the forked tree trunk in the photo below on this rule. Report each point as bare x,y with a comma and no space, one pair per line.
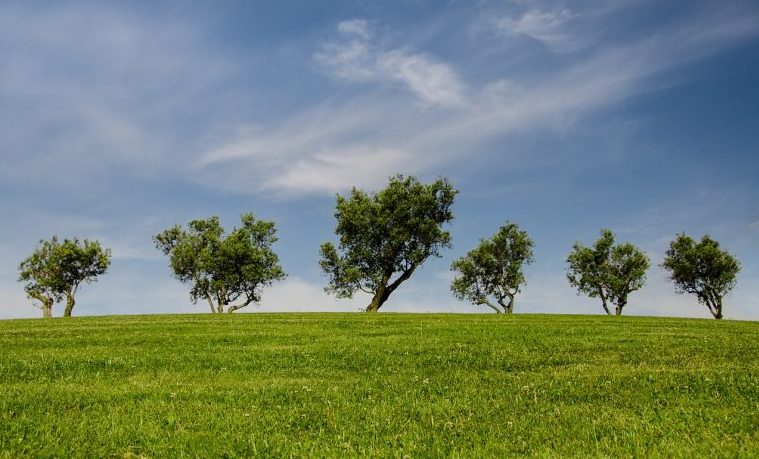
70,302
380,296
618,309
378,300
717,309
508,308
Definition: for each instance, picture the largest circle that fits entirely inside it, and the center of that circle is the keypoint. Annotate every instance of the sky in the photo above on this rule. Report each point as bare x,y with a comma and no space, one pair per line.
119,120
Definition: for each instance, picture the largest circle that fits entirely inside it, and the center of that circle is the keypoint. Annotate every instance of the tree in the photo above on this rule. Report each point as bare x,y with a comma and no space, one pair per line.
41,276
494,269
607,271
80,262
385,236
702,269
223,268
57,269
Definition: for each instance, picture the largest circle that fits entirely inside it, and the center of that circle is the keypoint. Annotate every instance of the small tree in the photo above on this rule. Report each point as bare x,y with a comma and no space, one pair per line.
223,268
80,262
41,276
607,271
494,269
386,236
57,269
702,269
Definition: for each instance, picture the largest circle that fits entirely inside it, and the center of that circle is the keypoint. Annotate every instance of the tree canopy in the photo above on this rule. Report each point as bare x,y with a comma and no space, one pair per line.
702,269
607,271
492,272
227,270
385,236
57,269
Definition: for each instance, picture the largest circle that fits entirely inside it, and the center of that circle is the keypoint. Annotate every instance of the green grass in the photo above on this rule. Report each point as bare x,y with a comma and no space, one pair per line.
378,385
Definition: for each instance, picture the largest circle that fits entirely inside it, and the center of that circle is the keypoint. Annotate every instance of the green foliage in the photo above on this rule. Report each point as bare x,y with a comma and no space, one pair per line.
494,269
607,271
57,269
223,268
41,276
385,236
389,385
702,269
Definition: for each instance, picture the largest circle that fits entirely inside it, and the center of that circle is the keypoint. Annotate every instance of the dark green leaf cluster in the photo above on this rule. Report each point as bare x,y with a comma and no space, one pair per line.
385,236
223,268
56,270
494,269
607,271
702,269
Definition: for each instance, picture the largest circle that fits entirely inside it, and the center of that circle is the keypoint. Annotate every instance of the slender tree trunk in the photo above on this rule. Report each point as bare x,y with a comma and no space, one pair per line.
47,309
618,310
210,303
490,305
510,307
603,302
70,302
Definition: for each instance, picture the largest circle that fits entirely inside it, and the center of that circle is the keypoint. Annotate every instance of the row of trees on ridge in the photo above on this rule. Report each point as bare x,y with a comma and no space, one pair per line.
383,237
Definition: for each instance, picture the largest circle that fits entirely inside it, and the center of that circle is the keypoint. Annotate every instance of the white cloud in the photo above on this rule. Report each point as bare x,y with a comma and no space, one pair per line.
434,82
355,27
547,27
355,57
298,295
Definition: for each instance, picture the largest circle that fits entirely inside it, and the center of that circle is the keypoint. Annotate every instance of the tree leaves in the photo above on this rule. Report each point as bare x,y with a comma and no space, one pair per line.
607,271
702,269
223,268
494,269
385,236
57,269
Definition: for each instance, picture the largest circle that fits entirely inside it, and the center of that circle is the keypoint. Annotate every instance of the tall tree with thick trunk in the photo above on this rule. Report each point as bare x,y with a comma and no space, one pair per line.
607,271
491,274
230,270
702,269
385,236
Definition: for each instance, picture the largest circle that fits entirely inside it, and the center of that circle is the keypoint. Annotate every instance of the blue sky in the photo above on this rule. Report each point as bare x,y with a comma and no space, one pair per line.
118,120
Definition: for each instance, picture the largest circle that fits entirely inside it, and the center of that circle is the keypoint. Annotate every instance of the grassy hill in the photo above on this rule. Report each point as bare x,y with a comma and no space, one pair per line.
378,385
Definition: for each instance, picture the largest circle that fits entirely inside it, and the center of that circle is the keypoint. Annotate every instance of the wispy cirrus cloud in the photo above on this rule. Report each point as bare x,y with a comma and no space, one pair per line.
551,28
354,56
363,139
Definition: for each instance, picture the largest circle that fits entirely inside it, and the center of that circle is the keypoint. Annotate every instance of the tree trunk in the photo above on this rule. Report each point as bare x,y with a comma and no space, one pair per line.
378,300
490,305
380,296
510,307
47,309
70,302
210,303
717,309
618,310
46,304
603,302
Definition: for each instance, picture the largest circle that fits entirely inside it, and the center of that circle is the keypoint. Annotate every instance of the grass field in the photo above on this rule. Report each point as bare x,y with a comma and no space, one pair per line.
378,385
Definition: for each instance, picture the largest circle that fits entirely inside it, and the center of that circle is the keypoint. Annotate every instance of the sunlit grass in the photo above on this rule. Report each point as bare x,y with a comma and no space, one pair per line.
378,385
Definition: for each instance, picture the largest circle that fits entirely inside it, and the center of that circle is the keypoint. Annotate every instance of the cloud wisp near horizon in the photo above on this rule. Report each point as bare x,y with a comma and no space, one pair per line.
117,121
